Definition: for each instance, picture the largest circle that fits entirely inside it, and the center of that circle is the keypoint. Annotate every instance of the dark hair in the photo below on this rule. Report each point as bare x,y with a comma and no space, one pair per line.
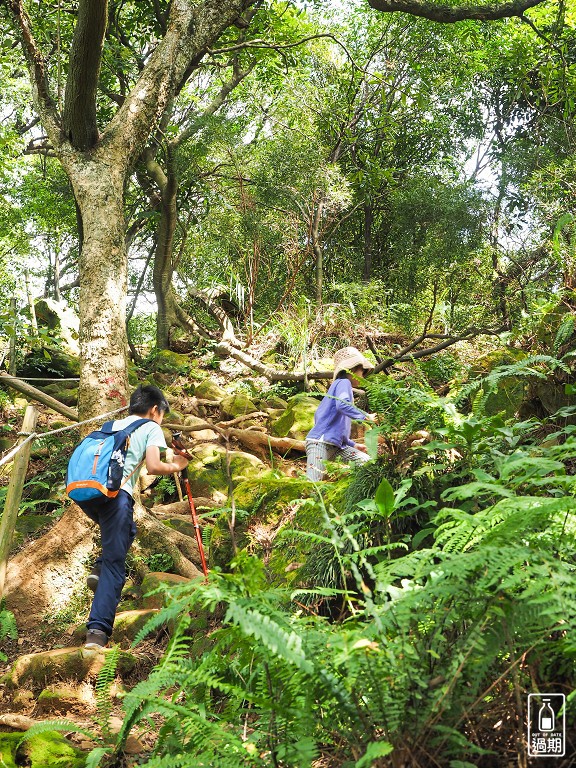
146,397
346,371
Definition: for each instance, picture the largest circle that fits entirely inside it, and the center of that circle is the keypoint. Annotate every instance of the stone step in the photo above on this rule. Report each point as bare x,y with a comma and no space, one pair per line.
35,671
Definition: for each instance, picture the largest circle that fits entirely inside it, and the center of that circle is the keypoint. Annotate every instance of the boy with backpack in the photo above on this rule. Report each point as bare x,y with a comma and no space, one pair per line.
138,440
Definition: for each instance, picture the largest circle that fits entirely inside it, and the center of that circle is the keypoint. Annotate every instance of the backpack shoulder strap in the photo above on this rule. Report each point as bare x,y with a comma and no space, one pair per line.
135,424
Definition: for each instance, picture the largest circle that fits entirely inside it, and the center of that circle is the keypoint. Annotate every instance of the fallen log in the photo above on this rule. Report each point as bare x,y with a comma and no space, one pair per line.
258,440
36,394
250,438
226,349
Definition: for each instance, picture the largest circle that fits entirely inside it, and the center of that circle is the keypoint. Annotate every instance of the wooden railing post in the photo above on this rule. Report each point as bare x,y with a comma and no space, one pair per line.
14,496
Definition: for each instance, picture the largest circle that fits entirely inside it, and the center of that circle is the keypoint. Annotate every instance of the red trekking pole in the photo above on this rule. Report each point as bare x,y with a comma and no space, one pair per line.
180,449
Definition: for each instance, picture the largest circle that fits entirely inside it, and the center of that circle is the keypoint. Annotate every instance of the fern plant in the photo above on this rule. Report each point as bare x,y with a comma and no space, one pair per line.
8,628
437,625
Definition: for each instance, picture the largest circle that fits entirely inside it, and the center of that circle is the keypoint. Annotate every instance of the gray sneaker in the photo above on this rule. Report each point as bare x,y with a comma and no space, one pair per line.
96,639
93,577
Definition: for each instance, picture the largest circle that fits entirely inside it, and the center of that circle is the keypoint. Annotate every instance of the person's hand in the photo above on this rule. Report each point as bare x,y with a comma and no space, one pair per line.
180,462
371,418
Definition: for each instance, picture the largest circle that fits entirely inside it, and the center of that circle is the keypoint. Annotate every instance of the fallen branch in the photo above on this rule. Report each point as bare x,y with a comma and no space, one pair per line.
240,419
258,440
250,438
406,355
226,349
36,394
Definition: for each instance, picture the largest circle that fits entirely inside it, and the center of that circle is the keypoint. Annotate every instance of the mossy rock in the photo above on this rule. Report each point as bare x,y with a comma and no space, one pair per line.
56,360
237,405
208,472
510,391
37,670
261,503
166,361
133,375
45,750
50,750
298,418
8,744
66,395
273,401
59,316
152,581
201,434
127,624
209,390
60,699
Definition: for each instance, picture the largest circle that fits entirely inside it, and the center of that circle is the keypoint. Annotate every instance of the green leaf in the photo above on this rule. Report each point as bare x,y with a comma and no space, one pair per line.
375,749
371,441
384,498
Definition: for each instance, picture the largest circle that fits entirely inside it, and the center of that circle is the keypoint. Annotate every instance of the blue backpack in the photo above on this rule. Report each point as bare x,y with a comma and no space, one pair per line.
96,466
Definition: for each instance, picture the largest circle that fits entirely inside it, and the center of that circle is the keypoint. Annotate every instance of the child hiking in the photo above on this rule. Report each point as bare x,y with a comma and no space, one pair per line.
330,436
114,515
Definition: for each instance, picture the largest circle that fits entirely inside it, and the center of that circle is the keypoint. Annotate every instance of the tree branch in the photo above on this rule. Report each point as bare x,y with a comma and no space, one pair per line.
445,14
79,116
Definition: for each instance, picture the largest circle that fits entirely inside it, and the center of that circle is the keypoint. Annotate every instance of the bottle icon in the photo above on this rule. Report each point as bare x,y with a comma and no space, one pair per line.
546,717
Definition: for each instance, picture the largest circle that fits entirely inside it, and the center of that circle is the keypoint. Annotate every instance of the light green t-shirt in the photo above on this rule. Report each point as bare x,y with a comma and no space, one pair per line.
147,434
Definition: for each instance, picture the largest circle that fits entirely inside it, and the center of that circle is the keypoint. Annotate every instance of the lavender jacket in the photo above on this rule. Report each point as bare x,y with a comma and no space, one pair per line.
332,420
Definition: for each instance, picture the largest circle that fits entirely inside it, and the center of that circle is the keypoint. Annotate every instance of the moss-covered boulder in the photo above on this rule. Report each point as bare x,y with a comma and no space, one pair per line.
236,405
510,392
273,401
298,418
45,750
62,698
209,390
128,623
264,506
208,470
166,361
153,581
59,316
57,361
8,745
37,670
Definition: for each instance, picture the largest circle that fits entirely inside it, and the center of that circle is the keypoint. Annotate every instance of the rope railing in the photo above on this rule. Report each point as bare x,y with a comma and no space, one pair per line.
34,435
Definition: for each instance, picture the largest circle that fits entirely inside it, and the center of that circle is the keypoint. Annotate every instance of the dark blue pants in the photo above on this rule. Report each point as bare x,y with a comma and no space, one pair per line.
117,530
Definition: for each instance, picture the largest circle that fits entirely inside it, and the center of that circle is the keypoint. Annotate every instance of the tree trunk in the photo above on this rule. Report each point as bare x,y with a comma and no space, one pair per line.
318,252
163,265
99,190
368,222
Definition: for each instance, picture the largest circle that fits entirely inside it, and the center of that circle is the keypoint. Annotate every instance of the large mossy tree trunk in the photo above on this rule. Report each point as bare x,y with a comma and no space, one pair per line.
98,162
99,190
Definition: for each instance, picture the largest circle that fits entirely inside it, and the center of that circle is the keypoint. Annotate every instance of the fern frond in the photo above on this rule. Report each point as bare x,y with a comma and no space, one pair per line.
104,682
67,726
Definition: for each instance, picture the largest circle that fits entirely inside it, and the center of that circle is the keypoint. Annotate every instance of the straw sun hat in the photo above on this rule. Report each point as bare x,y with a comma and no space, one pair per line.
349,358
